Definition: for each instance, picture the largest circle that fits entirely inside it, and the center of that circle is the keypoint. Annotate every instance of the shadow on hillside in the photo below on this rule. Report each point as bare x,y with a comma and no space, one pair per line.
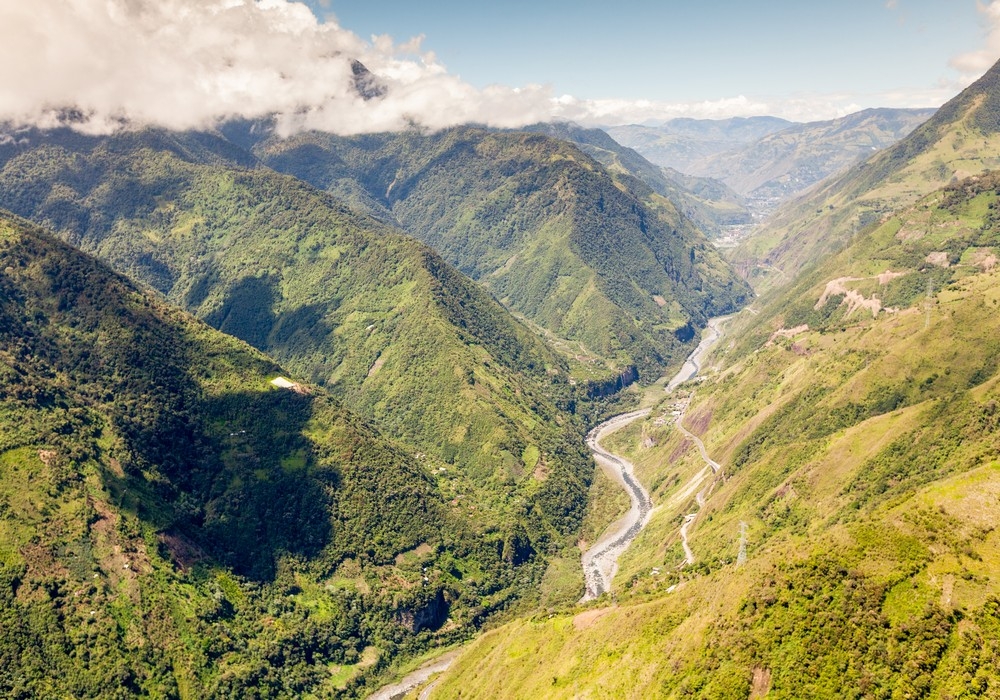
228,471
243,486
248,313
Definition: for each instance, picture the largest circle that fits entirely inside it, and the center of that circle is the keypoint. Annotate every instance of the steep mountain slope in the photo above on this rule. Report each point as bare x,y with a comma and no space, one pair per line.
543,226
173,525
343,301
961,139
710,204
682,143
848,545
783,164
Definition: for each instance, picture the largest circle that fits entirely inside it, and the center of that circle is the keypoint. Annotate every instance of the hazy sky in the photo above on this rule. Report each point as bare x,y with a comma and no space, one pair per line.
189,63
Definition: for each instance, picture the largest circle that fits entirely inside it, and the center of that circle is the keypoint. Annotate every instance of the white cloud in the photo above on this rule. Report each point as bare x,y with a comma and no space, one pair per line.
633,111
801,108
188,63
974,63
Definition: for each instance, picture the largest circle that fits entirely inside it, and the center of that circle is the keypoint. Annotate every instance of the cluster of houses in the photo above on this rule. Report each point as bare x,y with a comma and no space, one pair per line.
674,411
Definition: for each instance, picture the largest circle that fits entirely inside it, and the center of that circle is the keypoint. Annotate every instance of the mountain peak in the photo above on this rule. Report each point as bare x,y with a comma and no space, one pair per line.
366,83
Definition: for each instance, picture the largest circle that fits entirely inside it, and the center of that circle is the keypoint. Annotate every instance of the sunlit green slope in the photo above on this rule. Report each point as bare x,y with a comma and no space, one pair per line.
856,422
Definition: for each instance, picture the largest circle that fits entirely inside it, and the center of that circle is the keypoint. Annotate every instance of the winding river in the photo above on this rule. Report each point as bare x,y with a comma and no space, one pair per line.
600,561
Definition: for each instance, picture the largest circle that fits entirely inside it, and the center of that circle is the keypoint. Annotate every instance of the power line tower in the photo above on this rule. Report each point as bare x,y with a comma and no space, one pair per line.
927,303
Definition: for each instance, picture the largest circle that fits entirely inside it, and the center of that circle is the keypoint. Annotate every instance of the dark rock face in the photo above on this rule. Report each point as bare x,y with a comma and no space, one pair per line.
428,614
628,376
367,83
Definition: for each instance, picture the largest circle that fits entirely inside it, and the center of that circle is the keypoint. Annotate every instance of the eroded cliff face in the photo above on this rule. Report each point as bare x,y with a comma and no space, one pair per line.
426,612
612,385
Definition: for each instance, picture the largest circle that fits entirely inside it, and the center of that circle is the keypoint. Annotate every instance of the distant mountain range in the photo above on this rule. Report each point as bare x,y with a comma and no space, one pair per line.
683,144
780,165
960,140
777,160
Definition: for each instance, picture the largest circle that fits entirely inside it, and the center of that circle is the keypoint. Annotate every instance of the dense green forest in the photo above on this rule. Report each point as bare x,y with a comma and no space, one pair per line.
339,298
592,258
175,526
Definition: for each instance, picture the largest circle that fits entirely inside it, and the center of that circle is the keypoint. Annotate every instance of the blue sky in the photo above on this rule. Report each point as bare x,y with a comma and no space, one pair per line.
690,50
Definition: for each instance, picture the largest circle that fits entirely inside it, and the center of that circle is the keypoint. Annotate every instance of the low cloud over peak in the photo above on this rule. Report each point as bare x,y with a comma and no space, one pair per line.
189,63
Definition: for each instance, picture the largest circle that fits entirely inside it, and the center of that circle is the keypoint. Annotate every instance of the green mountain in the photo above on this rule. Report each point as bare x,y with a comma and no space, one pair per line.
174,525
710,204
960,140
848,545
543,226
342,300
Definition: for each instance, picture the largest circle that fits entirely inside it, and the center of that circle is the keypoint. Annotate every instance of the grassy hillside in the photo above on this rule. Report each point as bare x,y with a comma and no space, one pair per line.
343,301
172,525
961,139
860,472
545,228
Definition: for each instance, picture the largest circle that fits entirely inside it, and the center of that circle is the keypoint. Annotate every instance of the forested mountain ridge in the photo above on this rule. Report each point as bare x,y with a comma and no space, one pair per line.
960,140
542,225
341,299
172,525
709,203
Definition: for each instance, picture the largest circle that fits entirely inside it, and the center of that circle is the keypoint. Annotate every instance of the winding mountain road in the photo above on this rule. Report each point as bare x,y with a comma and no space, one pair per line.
700,445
